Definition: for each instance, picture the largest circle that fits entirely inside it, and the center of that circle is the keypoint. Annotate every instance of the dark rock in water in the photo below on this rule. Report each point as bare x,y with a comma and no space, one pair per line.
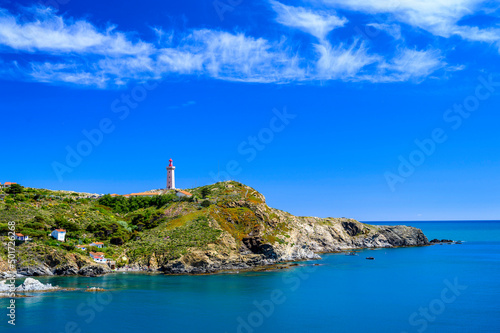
94,270
437,241
66,270
404,236
41,270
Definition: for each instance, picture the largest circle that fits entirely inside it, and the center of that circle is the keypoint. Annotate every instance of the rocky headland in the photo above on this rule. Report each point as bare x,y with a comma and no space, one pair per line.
225,226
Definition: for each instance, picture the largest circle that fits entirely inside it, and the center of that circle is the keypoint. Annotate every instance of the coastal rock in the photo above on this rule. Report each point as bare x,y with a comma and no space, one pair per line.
4,286
94,270
66,270
31,284
237,231
8,275
437,241
278,236
40,270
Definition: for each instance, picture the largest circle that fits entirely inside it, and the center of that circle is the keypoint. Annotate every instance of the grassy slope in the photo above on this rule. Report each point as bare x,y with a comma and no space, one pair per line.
175,228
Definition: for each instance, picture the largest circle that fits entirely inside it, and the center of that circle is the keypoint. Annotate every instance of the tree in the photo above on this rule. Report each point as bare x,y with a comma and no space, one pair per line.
14,189
205,192
205,203
116,241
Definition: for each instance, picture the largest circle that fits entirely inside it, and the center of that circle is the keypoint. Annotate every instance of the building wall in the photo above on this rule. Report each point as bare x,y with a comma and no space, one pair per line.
58,235
170,178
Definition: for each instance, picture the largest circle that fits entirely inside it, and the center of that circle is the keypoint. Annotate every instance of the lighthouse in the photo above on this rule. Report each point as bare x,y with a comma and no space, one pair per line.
170,176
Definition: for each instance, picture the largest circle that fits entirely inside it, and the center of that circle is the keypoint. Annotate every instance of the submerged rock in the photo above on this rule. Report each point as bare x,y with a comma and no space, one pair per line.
94,289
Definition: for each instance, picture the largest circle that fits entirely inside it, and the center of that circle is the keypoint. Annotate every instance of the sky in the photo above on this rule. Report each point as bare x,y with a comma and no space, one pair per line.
368,109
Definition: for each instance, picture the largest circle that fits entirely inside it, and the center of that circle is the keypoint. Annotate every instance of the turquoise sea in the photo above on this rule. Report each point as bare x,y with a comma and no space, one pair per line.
440,288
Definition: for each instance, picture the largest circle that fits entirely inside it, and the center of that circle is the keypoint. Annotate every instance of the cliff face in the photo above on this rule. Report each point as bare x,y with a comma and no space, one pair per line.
231,228
273,236
38,260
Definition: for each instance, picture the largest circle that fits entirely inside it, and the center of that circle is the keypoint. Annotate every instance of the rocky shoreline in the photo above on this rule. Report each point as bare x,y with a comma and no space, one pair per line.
307,241
249,235
327,239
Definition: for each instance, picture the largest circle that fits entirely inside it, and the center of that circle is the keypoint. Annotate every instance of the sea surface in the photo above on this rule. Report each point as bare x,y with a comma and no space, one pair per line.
440,288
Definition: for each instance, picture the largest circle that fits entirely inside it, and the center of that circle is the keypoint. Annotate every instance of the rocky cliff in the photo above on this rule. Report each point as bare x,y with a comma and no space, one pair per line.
225,226
255,234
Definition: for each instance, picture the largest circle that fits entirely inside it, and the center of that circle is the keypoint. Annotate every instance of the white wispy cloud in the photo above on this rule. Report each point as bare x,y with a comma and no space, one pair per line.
439,17
393,30
410,64
48,32
64,50
316,23
343,62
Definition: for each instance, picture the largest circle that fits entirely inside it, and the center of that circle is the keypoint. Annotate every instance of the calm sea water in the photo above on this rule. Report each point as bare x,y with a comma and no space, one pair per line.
441,288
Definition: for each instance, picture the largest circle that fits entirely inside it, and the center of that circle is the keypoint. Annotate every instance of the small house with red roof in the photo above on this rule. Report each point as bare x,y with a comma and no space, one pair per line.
98,257
181,194
59,234
97,244
20,237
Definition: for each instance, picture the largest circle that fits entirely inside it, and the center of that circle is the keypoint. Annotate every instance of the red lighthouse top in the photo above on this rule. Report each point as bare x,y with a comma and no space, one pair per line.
170,160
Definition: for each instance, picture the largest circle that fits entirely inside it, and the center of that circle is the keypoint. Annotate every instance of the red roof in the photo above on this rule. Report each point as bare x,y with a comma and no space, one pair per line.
60,230
144,193
98,243
185,192
20,235
9,183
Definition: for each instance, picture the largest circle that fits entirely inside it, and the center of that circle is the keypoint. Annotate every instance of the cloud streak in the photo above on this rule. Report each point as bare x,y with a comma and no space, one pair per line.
62,50
439,17
316,23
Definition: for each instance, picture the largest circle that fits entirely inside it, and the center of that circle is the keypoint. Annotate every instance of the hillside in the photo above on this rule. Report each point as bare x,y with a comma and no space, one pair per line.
223,226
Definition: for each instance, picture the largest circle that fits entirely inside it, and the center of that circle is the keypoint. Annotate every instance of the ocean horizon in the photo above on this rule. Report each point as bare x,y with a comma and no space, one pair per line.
416,289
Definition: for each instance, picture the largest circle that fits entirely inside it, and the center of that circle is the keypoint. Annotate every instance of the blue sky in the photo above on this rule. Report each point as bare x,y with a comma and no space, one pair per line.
375,110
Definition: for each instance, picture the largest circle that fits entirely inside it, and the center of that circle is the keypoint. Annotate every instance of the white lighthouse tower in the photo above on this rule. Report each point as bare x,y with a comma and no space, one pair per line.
170,176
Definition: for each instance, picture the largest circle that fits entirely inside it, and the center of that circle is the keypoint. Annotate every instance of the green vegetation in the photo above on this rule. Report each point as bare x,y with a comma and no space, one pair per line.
14,189
126,205
136,228
194,233
205,192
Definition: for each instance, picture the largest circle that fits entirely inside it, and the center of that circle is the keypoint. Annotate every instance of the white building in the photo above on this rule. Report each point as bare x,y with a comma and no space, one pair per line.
97,244
182,194
170,176
98,257
59,234
21,237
